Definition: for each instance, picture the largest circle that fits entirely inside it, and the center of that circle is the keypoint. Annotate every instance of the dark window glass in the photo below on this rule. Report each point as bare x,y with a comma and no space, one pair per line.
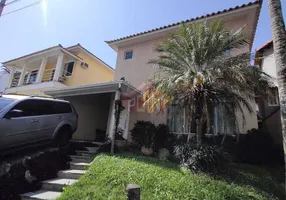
69,68
27,108
36,107
33,76
128,55
61,107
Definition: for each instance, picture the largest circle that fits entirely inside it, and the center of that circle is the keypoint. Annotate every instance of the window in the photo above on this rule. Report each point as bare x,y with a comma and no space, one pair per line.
68,69
128,54
222,123
35,107
53,107
62,107
27,108
33,76
273,99
178,120
15,79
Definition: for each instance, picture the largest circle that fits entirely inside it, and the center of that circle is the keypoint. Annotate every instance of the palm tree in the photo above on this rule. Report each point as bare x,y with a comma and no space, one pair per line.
197,72
279,43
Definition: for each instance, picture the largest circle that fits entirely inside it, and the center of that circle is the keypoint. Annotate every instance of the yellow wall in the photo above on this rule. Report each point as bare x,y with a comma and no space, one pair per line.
95,73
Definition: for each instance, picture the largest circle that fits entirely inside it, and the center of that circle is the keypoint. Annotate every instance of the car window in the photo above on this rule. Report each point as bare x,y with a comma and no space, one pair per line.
5,102
34,107
28,108
62,107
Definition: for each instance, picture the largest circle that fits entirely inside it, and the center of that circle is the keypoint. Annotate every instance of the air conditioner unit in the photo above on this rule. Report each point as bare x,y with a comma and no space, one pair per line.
84,65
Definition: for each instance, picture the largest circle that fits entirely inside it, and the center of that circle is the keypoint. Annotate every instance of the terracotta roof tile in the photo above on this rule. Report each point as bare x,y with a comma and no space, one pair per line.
188,20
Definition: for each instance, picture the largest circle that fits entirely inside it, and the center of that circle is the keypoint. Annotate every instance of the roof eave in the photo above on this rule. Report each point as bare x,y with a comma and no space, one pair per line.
114,43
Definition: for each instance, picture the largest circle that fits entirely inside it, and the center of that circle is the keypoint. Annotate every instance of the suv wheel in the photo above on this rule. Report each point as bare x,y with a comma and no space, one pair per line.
63,138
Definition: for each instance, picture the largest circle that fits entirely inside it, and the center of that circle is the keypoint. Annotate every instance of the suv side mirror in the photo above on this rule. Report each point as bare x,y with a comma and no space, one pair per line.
14,113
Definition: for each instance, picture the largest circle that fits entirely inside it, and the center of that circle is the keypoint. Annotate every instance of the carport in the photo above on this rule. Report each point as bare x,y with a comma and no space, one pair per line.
94,104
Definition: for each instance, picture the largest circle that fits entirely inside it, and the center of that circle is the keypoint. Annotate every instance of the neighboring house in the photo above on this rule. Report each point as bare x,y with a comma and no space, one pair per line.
4,78
55,67
269,109
95,102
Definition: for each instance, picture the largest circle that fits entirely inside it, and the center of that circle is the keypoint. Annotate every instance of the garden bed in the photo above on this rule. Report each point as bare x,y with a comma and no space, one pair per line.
109,175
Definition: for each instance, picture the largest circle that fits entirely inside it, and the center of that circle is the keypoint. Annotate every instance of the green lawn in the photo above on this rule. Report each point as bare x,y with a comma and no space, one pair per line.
108,177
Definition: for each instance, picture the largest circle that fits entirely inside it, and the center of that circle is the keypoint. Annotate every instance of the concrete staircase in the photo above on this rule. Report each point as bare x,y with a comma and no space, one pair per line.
51,189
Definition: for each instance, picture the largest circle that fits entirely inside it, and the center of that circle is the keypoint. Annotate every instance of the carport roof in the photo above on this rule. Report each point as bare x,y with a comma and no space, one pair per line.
128,90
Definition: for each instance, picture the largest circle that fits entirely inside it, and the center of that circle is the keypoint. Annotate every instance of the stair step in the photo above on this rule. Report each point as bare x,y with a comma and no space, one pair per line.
80,166
57,184
92,149
98,143
77,158
83,153
71,174
41,194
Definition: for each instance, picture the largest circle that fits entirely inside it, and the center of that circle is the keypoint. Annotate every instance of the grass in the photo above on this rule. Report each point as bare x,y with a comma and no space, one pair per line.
108,177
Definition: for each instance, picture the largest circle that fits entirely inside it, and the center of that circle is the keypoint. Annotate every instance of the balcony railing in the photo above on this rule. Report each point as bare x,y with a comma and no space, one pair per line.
31,77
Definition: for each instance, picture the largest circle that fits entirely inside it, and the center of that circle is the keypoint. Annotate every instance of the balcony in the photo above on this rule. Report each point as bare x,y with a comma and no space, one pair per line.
40,74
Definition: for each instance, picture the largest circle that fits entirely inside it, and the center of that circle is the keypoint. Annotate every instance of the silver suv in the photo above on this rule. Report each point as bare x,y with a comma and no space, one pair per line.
25,120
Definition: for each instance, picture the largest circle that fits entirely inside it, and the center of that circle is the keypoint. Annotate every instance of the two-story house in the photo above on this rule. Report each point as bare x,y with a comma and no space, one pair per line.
4,78
95,102
269,109
55,67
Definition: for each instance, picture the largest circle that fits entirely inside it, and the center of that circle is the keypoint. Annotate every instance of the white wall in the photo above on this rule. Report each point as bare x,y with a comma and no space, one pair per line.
93,111
268,64
4,79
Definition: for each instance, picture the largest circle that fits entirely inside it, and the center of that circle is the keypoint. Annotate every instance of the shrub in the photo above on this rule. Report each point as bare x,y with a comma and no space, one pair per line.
163,138
143,133
255,147
200,158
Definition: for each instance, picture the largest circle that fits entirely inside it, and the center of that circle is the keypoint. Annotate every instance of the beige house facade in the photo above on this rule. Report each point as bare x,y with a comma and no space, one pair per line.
133,71
269,109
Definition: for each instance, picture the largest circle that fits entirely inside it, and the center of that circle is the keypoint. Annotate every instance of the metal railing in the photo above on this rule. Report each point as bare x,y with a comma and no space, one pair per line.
31,77
49,75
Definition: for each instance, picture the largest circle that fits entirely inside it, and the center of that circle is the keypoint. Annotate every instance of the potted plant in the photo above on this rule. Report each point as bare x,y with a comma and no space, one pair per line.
143,134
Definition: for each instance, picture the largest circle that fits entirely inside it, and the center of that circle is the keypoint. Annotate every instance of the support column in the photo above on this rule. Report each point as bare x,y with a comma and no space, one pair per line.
113,131
12,71
23,73
41,70
58,69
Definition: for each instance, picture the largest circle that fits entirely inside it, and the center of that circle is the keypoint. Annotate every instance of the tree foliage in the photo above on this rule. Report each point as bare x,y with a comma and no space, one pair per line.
201,68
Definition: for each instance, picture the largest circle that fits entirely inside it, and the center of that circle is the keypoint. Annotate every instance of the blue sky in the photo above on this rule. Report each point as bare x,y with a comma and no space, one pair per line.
91,22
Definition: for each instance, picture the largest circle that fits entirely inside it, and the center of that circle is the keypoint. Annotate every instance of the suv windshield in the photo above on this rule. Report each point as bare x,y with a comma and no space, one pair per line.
5,102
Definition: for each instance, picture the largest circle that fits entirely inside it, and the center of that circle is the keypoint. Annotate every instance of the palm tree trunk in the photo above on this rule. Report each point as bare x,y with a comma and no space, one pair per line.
199,130
279,43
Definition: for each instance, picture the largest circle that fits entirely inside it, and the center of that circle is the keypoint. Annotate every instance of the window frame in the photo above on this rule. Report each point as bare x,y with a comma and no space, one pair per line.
29,76
274,95
65,68
20,73
126,52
